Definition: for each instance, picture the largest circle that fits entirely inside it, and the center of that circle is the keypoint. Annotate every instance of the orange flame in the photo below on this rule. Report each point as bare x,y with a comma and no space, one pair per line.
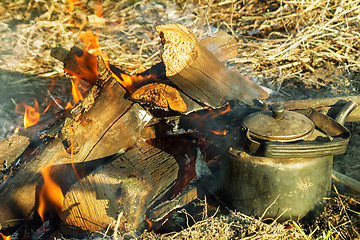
139,68
223,132
69,106
125,80
149,224
91,41
50,195
86,68
131,82
31,114
218,112
3,237
76,92
71,5
86,64
98,9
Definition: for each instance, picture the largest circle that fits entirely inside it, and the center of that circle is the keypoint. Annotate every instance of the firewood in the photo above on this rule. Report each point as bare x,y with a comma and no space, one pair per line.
162,95
129,185
103,118
14,145
199,74
107,117
221,44
11,148
102,124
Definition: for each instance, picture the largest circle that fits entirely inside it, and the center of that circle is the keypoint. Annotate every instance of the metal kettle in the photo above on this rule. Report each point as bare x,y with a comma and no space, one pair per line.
279,163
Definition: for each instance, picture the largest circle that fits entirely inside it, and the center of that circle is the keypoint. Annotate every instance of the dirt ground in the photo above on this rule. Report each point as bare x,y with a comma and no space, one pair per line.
299,49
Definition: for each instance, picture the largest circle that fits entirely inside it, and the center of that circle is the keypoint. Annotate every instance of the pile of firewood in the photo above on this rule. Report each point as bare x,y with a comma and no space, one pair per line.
128,151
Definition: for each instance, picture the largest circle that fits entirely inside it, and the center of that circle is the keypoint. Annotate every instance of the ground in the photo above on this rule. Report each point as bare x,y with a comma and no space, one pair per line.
300,49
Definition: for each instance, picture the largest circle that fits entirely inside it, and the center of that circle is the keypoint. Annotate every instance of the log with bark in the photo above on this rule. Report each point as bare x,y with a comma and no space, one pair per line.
103,124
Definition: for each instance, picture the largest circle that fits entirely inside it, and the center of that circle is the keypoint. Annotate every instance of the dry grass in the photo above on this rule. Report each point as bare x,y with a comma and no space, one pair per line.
311,43
278,40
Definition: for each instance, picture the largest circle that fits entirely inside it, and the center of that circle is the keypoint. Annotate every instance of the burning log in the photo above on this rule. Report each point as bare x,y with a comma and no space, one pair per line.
221,44
97,159
101,119
103,124
199,74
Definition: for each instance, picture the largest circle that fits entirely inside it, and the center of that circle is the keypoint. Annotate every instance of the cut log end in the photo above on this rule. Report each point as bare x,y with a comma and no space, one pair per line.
179,47
162,95
199,74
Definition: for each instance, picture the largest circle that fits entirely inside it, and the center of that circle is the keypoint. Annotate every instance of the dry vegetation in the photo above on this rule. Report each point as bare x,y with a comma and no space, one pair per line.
282,44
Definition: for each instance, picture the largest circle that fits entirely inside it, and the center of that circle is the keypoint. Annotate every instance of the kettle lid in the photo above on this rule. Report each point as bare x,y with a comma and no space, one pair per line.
278,124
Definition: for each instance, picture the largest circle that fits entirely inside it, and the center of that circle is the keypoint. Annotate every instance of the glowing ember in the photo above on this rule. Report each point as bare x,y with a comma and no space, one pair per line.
3,237
76,92
223,132
31,114
50,195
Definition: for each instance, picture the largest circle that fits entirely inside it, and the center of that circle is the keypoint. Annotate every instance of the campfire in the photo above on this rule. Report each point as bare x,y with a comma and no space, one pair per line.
132,148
